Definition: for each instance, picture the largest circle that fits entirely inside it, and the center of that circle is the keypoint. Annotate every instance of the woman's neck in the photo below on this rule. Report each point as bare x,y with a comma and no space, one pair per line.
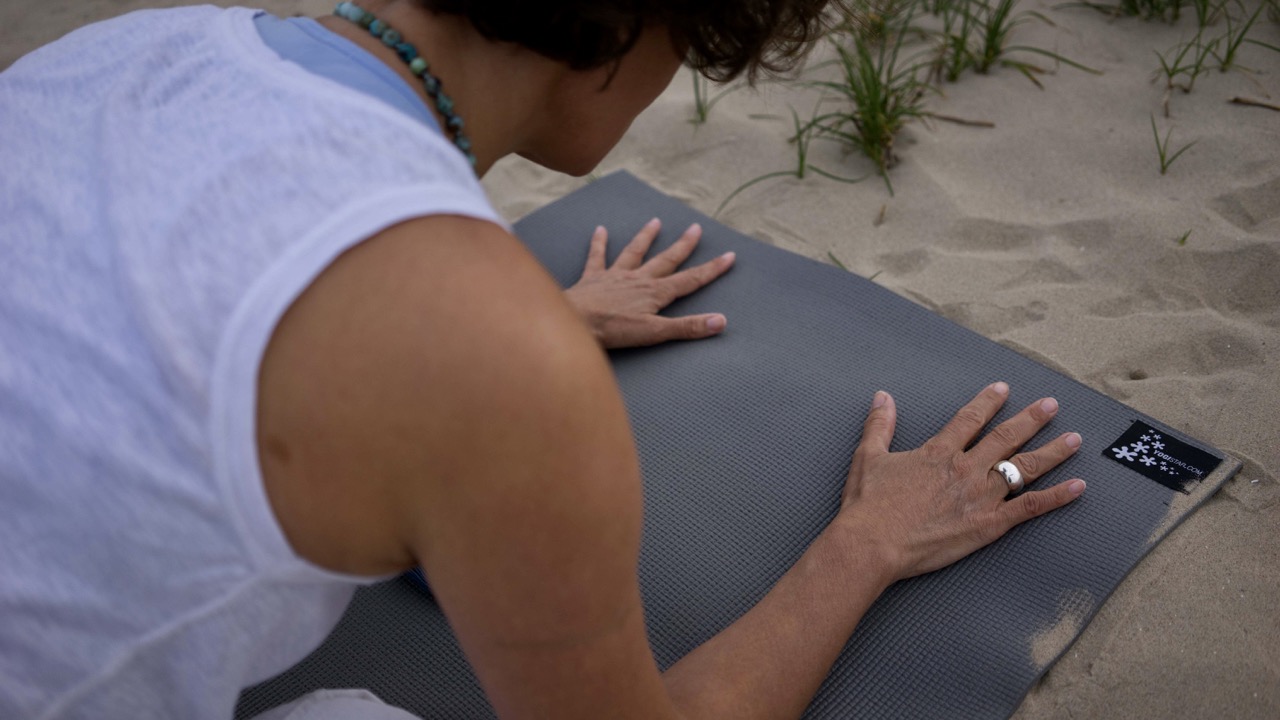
497,89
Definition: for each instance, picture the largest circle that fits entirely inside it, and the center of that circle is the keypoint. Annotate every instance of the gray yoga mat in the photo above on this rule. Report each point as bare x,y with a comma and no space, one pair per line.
745,440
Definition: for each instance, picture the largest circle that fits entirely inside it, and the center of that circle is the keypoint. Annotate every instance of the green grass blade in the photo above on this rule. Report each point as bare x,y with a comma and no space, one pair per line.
837,178
1055,56
1262,44
749,183
1179,153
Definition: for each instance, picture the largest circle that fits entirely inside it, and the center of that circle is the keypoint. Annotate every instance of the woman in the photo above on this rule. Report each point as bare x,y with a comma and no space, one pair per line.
265,340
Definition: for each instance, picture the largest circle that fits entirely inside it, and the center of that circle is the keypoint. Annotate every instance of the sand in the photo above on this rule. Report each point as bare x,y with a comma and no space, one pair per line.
1053,233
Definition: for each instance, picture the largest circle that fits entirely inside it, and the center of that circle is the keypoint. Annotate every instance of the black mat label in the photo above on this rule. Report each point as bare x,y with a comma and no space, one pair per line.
1167,460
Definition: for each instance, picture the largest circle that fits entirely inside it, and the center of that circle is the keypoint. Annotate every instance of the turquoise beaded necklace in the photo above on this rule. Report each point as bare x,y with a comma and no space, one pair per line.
407,52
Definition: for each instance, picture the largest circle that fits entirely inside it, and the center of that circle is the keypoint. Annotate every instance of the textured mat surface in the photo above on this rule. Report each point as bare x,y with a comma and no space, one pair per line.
745,440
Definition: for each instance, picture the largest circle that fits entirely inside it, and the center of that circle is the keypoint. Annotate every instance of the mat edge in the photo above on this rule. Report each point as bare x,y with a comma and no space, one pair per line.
1215,482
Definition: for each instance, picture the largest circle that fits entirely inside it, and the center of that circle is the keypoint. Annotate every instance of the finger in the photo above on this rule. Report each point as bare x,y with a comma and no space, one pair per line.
1034,464
666,262
658,329
596,251
877,431
633,254
970,419
1008,436
697,277
1034,504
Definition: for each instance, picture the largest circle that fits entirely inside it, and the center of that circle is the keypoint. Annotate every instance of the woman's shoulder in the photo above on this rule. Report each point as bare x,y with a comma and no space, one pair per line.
447,349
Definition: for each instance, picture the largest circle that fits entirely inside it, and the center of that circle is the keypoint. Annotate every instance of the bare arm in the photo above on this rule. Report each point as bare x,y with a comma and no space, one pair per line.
903,514
432,399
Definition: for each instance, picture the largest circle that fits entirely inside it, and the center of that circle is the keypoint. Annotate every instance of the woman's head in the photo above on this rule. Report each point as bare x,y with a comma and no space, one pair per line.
720,38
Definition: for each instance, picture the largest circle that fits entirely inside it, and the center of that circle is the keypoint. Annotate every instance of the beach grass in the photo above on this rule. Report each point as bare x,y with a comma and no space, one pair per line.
954,41
885,79
1162,147
879,94
705,98
803,135
892,56
1237,34
1180,62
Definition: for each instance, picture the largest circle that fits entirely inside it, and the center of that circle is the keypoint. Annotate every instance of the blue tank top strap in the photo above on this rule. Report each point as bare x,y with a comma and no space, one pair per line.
322,52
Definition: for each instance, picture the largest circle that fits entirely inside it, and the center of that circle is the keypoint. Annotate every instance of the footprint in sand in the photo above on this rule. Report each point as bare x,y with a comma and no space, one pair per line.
1251,208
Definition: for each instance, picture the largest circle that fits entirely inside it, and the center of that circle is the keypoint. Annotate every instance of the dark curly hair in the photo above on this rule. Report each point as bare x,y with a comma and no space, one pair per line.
722,39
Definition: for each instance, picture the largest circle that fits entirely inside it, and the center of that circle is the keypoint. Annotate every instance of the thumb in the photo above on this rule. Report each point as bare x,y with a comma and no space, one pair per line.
877,431
690,327
644,330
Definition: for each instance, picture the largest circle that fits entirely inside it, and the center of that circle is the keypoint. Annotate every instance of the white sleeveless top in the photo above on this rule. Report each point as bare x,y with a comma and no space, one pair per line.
168,187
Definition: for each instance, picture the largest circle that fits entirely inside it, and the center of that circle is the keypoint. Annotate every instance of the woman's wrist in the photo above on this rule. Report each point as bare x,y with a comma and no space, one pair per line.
862,551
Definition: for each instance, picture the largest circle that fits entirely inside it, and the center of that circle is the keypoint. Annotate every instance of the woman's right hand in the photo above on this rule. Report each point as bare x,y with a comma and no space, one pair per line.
928,507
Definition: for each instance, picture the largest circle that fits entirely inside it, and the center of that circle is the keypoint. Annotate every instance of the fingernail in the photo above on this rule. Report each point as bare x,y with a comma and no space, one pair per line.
1049,405
599,229
716,323
880,399
653,223
1072,440
695,229
729,257
1075,487
1001,388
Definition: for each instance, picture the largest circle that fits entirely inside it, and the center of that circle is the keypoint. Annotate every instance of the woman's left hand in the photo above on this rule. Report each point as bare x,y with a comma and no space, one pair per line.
621,303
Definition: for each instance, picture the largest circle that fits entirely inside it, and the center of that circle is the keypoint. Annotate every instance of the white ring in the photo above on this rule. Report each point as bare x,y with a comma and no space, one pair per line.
1012,475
